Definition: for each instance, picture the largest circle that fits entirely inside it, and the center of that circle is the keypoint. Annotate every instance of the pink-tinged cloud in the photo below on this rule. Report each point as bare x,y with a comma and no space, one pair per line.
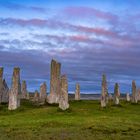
87,11
24,22
98,31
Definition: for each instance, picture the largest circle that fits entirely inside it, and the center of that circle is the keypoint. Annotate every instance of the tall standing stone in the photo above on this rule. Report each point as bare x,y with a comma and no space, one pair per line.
134,92
5,96
116,94
36,96
24,90
138,94
127,97
63,102
43,92
77,92
1,83
55,82
28,96
15,91
104,94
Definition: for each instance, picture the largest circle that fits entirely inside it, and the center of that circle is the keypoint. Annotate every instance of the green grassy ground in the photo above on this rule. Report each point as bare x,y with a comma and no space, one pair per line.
85,120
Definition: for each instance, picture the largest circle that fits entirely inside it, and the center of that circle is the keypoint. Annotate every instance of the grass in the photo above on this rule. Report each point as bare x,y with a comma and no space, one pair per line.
85,120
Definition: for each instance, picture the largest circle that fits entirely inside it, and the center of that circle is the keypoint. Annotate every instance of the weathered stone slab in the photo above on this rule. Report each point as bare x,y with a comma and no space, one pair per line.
63,102
5,92
138,94
24,90
28,96
36,96
43,92
104,94
77,92
134,92
1,83
127,97
110,97
55,82
116,94
15,91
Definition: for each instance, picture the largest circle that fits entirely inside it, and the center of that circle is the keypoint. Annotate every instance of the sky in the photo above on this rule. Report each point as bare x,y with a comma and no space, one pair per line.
88,37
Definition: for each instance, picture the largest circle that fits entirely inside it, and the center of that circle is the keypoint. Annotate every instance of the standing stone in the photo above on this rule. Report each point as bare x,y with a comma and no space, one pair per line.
134,92
43,92
138,94
63,102
24,90
77,92
116,94
127,97
5,96
1,83
15,91
110,97
36,96
28,96
104,94
55,82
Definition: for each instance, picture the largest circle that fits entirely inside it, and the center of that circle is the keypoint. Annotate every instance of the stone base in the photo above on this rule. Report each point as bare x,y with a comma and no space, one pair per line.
52,99
14,102
103,103
116,101
63,105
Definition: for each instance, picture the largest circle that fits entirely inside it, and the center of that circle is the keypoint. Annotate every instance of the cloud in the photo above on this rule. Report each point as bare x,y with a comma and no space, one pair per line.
84,12
15,6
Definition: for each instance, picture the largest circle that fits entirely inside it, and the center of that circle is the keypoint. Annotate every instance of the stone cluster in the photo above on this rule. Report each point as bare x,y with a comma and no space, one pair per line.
15,90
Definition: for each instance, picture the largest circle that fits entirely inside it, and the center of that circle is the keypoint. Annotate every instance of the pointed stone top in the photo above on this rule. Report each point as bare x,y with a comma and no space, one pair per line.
44,83
116,84
1,71
1,68
77,85
17,69
133,81
36,91
104,77
64,76
23,81
55,61
4,83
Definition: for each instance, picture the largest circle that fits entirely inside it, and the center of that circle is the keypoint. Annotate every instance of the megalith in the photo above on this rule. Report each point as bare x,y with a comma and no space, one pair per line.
77,92
1,83
15,90
116,94
134,92
24,90
63,102
104,94
43,92
127,97
55,82
5,95
36,96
